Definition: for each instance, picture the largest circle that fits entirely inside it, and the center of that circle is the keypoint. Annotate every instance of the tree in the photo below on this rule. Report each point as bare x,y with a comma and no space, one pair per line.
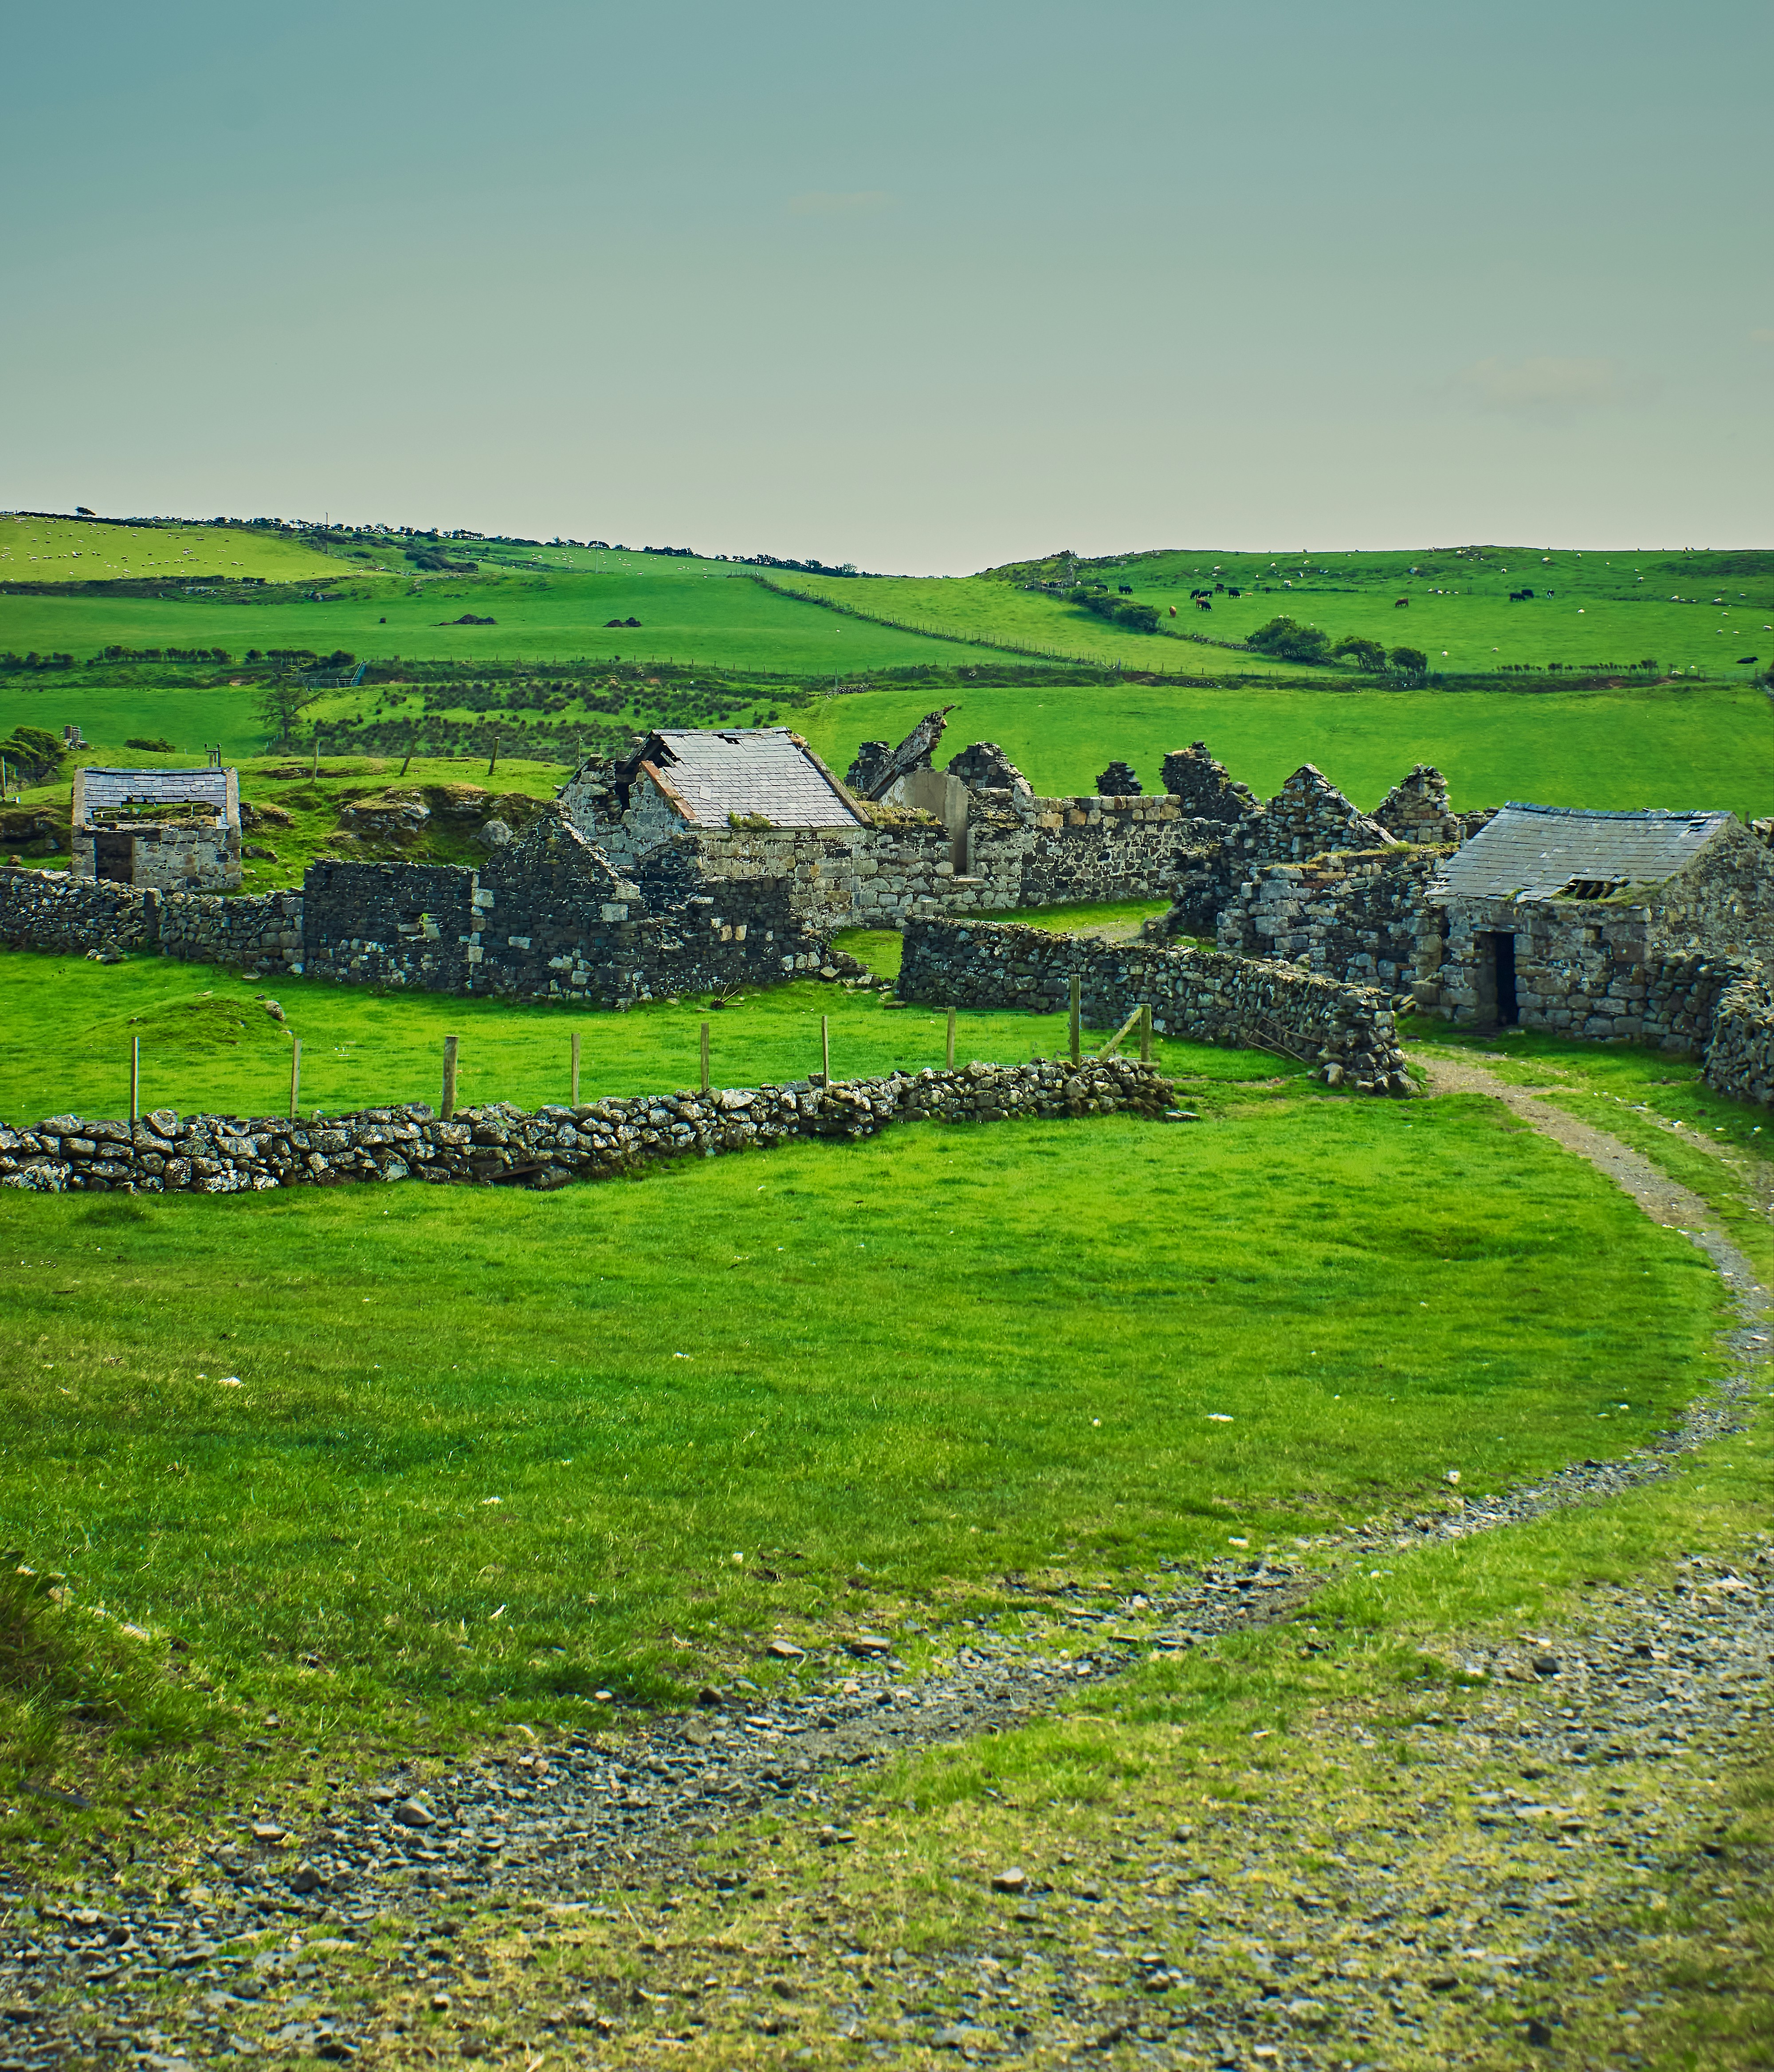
1290,640
281,702
1364,653
1410,662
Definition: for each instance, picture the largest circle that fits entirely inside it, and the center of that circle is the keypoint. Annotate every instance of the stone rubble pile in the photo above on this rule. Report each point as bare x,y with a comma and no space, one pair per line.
502,1145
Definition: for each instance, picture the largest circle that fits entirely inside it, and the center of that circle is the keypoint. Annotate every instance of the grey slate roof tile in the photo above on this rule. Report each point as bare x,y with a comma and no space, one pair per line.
108,791
1533,852
749,770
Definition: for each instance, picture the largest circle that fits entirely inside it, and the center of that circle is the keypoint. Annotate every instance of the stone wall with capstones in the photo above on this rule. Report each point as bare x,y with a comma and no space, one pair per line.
1345,1033
498,1145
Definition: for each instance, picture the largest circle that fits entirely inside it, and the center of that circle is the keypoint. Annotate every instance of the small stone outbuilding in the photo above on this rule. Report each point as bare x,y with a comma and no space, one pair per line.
162,830
1595,924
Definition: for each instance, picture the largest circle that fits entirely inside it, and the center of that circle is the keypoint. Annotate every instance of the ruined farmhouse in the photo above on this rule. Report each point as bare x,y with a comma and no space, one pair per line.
713,858
174,830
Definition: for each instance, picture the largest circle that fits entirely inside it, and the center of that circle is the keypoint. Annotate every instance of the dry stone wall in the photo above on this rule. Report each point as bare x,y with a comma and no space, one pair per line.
500,1145
262,930
1346,1033
52,909
1354,917
1739,1061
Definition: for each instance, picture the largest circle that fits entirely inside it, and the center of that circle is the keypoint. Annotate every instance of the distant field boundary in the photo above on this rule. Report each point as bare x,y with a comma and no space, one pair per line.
1007,647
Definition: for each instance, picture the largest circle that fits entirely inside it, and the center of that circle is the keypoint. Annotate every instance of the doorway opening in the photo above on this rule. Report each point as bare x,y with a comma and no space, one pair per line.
1503,953
114,858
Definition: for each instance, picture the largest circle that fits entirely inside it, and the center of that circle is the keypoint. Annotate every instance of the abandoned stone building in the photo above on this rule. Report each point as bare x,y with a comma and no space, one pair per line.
1594,923
717,858
172,830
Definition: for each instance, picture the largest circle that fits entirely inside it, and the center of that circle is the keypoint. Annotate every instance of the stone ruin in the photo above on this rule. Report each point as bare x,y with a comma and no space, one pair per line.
715,858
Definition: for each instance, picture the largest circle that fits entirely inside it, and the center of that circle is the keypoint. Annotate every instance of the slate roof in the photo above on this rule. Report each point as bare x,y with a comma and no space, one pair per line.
764,771
113,790
1534,852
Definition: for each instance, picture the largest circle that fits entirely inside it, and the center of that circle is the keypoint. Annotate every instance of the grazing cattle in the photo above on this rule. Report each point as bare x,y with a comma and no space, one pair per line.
1234,593
1173,611
1126,589
1401,604
1204,604
1520,596
1743,661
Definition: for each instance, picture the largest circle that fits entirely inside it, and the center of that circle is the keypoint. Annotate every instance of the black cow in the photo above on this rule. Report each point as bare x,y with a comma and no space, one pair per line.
1204,604
1520,596
1401,604
1126,589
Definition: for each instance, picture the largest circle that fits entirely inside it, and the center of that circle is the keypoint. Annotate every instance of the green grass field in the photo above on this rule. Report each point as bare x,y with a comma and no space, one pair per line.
74,550
1095,1343
1713,746
1610,610
688,611
206,1043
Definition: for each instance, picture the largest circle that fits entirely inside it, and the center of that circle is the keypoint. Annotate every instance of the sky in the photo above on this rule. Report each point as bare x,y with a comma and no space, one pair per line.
922,288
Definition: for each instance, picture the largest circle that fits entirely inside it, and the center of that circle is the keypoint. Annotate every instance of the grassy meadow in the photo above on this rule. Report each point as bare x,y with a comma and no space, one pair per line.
491,1452
1711,745
207,1041
77,550
688,611
1588,609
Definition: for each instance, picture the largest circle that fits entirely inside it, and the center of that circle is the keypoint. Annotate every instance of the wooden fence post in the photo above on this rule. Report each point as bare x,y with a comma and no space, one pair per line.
705,1057
825,1049
449,1078
576,1068
1145,1035
949,1052
135,1078
1075,991
295,1077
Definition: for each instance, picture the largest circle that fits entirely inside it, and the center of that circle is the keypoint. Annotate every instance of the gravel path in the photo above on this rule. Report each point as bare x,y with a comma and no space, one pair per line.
267,1946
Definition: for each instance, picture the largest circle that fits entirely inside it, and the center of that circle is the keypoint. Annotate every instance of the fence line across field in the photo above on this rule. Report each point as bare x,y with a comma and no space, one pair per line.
1139,1022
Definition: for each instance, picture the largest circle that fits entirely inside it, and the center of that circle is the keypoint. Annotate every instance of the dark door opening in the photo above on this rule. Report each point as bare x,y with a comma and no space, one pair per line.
114,858
1507,1010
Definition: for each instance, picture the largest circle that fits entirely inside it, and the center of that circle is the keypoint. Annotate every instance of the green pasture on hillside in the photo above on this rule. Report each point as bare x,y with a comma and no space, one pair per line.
971,608
1610,611
1589,609
492,1451
77,550
688,611
1710,746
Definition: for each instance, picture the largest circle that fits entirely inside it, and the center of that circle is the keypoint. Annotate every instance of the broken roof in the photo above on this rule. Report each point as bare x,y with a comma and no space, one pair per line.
116,791
764,772
1535,852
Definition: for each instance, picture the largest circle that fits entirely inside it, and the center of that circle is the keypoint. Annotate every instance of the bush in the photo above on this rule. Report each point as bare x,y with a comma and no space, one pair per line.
34,751
1291,641
156,745
1412,663
1118,611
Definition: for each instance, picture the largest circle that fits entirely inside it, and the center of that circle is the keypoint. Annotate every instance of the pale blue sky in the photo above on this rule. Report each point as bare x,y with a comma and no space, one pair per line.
923,287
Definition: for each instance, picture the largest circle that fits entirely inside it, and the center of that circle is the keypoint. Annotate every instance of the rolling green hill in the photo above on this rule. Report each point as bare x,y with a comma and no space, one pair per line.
90,550
687,610
1589,611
